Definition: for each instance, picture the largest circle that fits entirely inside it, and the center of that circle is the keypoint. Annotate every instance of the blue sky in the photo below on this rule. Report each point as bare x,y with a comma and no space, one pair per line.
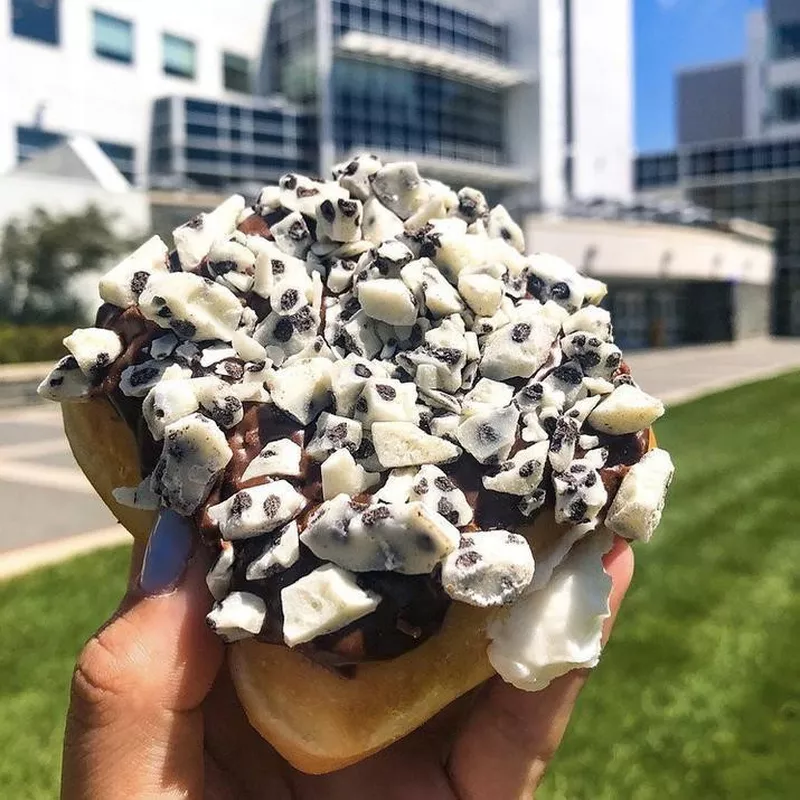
676,33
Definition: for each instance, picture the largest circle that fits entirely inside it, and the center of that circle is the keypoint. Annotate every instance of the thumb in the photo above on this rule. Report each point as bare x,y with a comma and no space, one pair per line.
134,726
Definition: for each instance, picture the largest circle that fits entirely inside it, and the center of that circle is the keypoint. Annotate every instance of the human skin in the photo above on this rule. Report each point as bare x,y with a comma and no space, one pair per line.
153,713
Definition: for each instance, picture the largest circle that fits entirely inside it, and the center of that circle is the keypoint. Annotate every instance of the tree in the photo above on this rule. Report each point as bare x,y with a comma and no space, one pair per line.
41,255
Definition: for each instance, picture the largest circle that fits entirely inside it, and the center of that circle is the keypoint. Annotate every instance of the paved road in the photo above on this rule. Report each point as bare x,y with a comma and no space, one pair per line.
44,497
43,494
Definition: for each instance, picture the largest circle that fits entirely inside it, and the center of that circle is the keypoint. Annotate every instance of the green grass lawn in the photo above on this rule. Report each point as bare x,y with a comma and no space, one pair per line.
697,695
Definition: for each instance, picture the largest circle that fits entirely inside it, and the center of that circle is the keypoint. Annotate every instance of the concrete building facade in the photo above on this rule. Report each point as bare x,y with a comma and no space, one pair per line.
96,67
748,164
523,98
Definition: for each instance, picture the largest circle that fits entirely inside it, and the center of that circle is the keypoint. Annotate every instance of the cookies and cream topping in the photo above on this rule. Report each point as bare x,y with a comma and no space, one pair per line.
367,391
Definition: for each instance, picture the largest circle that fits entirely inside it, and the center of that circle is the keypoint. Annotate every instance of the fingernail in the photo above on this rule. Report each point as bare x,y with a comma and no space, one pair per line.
168,551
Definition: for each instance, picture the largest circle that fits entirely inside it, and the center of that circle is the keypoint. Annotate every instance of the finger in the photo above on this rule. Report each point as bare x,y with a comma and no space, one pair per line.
133,726
512,735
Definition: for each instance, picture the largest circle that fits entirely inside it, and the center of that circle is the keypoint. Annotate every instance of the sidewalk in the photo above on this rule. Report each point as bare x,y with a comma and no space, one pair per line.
37,469
688,372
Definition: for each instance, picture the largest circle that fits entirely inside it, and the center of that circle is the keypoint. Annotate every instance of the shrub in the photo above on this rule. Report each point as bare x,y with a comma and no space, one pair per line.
24,343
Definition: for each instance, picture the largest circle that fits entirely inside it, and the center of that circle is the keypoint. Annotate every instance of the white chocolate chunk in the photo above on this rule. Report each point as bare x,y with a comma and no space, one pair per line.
247,348
194,454
302,389
436,491
487,395
591,319
215,353
292,236
490,568
522,474
552,278
354,175
518,349
341,475
598,359
299,193
407,538
231,263
167,402
559,628
533,430
379,222
598,386
281,457
218,578
123,284
141,496
501,226
323,601
280,553
193,240
445,426
626,410
94,349
164,346
288,334
269,199
636,510
400,188
65,382
259,509
441,298
348,378
397,488
386,400
333,433
273,266
239,616
580,493
194,308
594,290
339,220
138,379
489,435
387,300
472,205
563,441
483,293
403,444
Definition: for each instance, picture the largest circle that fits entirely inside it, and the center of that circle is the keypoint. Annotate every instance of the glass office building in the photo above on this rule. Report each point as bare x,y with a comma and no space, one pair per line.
755,180
199,144
401,78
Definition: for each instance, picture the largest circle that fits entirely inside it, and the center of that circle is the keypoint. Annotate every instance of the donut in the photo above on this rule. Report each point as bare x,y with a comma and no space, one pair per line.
407,443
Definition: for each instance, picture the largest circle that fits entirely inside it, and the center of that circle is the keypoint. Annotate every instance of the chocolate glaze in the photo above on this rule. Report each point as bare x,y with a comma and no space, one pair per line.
412,607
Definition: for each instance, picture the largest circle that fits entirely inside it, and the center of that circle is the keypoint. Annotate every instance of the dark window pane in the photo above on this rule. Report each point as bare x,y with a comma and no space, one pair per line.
202,154
236,71
192,129
199,107
787,104
178,56
113,38
787,41
31,140
123,156
36,19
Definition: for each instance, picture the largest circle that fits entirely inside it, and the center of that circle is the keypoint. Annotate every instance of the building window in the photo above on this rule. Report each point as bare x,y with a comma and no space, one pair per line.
30,141
179,56
787,41
123,156
236,72
787,104
113,38
36,19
